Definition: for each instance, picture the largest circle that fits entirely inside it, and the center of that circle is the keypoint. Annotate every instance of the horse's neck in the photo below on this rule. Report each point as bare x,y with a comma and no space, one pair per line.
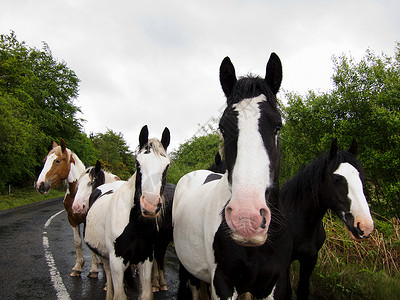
76,170
126,193
309,204
109,177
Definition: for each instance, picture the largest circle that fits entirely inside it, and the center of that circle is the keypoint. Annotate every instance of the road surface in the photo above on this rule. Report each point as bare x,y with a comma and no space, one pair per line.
37,255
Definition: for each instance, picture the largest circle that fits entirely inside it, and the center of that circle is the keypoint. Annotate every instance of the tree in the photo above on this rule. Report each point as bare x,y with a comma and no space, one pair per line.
365,104
114,154
37,96
195,154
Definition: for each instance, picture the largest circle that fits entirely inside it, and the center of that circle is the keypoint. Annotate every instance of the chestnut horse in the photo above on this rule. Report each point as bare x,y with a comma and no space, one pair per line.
62,164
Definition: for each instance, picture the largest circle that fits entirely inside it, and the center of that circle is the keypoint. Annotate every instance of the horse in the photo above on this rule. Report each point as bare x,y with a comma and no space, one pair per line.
334,180
219,166
122,224
229,231
92,178
62,164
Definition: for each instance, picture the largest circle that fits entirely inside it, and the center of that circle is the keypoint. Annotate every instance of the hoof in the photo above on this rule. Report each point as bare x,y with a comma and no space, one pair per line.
105,287
163,288
93,274
75,273
156,289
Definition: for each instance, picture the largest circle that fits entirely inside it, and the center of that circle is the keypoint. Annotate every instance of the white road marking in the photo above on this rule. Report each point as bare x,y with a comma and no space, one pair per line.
56,279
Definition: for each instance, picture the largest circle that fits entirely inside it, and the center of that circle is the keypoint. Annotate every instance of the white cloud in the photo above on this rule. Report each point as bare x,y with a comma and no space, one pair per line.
157,62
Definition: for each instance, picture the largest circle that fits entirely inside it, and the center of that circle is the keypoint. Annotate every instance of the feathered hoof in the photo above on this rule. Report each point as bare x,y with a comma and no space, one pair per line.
164,288
156,289
105,287
75,273
93,274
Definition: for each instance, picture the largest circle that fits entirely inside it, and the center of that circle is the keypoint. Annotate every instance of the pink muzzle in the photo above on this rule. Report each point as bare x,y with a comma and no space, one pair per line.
150,204
248,217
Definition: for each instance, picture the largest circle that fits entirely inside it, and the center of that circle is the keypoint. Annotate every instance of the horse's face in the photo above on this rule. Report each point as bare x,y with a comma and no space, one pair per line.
56,168
348,199
152,164
91,179
250,126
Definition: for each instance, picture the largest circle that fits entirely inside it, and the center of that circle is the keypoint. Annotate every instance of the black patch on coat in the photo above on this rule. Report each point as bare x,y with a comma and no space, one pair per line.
96,194
251,269
142,237
212,177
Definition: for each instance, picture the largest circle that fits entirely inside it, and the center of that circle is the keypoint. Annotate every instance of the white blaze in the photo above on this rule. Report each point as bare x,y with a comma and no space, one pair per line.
251,153
359,205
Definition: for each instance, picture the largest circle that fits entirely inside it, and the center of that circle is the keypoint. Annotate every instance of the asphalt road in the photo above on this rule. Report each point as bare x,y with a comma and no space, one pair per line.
37,255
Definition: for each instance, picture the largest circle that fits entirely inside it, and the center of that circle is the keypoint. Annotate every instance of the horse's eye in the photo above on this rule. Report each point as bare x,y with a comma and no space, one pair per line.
58,161
277,129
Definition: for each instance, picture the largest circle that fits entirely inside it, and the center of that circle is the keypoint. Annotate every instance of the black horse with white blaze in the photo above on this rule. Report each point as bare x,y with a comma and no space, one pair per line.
333,181
229,231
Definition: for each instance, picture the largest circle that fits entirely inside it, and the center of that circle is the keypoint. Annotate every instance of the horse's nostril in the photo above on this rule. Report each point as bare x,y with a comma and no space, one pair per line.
264,219
360,232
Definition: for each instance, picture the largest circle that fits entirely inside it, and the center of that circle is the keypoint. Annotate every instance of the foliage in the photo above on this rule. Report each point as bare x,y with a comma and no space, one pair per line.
36,100
27,195
364,104
368,269
195,154
114,154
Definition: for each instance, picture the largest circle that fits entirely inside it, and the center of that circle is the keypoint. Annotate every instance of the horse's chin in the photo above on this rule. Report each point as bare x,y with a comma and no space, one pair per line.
148,215
255,241
357,238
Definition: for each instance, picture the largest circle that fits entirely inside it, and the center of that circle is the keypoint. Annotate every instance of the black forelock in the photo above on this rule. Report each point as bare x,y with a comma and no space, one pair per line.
250,87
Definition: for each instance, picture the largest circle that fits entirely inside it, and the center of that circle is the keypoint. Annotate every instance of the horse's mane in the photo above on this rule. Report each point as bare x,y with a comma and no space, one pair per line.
157,147
302,188
251,86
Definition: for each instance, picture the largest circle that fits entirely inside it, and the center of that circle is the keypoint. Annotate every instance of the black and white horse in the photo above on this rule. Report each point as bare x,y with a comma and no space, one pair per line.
229,231
89,181
122,224
333,181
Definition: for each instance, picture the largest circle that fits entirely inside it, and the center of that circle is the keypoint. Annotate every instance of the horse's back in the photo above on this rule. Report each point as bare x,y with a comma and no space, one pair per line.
95,226
96,219
196,217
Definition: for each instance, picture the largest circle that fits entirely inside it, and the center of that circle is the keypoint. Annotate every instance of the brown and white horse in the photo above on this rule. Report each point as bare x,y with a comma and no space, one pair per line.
62,164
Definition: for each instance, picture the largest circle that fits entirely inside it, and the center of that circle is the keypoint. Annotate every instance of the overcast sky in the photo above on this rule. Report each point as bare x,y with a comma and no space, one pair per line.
157,62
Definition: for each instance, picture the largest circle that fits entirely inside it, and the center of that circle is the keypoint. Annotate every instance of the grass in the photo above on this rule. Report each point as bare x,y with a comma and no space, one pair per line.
348,269
27,195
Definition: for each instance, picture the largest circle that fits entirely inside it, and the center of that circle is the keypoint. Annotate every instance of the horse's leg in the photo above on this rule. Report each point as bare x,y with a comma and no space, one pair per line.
283,288
155,277
145,279
77,269
215,297
94,270
109,284
161,271
246,296
307,265
117,274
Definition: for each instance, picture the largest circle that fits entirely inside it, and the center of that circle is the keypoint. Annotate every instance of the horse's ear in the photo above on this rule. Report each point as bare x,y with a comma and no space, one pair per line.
97,167
334,149
354,147
143,137
166,137
227,76
63,145
217,158
273,75
54,145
